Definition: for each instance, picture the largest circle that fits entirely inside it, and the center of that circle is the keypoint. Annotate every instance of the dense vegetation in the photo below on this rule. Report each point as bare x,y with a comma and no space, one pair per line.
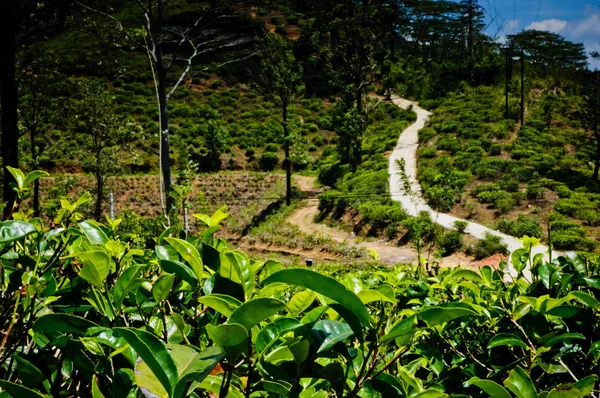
88,314
149,303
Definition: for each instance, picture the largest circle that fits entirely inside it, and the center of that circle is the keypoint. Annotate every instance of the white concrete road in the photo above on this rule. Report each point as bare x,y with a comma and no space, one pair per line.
407,148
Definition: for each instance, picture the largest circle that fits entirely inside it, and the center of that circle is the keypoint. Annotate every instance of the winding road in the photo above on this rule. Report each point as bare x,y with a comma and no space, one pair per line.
406,148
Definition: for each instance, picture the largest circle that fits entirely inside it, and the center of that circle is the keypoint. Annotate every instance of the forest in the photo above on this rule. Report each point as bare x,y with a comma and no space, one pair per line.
303,198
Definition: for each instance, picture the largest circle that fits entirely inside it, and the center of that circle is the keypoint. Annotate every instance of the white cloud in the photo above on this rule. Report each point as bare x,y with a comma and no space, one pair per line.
512,24
549,25
587,27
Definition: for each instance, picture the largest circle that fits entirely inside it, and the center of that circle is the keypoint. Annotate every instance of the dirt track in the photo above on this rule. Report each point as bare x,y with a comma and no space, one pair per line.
388,253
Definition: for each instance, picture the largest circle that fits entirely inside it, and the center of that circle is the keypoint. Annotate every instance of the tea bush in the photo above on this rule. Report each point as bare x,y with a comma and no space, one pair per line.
88,314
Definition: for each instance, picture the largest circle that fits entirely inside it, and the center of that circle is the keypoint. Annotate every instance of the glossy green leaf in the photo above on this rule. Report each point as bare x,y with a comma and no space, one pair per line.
584,299
445,313
578,262
519,259
56,324
93,232
252,312
520,384
586,384
329,333
564,311
229,337
96,393
95,269
155,355
506,339
324,285
189,254
301,301
565,392
368,296
491,388
16,390
180,270
221,302
404,327
351,319
563,338
430,393
125,284
30,375
192,364
467,274
162,287
18,175
236,266
273,331
13,230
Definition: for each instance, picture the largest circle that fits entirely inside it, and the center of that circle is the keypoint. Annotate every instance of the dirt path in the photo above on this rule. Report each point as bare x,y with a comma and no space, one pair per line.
388,253
407,149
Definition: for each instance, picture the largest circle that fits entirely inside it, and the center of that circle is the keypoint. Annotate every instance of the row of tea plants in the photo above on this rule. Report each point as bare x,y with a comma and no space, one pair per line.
83,313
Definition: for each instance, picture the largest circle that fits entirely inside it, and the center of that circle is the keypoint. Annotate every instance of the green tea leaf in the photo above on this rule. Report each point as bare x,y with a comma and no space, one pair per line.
564,337
252,312
445,313
13,230
189,254
16,390
96,266
221,303
162,287
273,331
180,269
236,266
93,232
520,384
490,387
34,175
324,285
329,333
506,339
125,284
96,393
405,327
301,301
155,355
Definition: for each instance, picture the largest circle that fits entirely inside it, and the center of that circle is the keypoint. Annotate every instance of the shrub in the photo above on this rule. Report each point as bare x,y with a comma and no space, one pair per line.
450,242
268,161
460,226
524,225
489,245
271,148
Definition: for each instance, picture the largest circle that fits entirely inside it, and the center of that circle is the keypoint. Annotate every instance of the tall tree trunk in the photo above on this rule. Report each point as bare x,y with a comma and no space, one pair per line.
36,183
99,196
164,129
597,163
288,163
8,98
163,109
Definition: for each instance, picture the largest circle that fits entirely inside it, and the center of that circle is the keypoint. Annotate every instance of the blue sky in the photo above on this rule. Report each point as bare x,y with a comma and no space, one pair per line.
576,20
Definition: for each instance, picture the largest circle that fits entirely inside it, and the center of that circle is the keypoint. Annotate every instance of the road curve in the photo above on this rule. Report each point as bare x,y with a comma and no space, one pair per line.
406,149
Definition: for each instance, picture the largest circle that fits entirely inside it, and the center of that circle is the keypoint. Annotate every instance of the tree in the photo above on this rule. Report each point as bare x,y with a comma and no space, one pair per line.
591,113
550,51
9,97
165,46
216,140
101,133
348,125
282,80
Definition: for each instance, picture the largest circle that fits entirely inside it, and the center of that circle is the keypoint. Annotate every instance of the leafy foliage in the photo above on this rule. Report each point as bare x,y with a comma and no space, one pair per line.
194,317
